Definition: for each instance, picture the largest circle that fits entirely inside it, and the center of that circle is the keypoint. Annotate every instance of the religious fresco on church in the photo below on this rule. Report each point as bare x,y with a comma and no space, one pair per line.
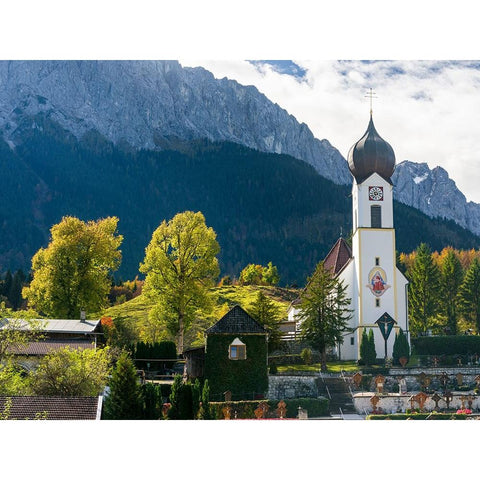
377,281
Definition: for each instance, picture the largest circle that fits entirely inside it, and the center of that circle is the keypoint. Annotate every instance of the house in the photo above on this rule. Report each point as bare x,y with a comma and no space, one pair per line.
53,334
236,357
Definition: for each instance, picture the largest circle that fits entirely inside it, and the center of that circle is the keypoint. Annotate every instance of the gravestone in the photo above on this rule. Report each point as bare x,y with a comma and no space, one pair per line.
379,383
302,414
227,411
261,410
403,361
421,398
436,398
281,409
402,385
357,379
477,380
228,396
374,400
448,397
435,361
459,379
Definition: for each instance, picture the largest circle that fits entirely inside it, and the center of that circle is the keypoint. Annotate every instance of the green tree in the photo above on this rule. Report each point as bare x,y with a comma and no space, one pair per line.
180,266
184,399
16,332
267,313
72,272
270,274
69,372
324,311
423,291
400,347
125,399
251,275
451,279
206,411
469,294
372,353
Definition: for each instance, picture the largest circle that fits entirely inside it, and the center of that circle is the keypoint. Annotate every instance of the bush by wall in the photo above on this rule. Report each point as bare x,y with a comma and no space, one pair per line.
447,345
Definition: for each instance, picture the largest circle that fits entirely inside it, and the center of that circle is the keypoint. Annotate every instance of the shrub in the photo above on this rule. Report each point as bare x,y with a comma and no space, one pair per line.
400,347
273,369
306,356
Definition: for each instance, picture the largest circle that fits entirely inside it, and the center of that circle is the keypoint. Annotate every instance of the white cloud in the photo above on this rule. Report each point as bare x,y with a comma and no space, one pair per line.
428,111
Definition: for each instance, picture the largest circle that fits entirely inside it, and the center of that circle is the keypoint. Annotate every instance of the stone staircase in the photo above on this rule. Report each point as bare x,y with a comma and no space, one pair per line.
337,391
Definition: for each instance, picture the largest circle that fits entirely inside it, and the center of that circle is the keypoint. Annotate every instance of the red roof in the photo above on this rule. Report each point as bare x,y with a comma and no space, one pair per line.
50,408
338,256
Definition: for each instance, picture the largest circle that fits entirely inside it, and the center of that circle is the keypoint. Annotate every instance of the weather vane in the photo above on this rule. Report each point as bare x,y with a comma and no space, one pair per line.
371,95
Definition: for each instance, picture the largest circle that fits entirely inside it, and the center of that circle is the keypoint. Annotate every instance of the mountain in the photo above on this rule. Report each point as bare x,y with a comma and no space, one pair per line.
434,193
264,207
152,105
145,140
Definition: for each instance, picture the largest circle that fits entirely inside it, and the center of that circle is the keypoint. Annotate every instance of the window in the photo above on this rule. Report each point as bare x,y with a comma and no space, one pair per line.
376,216
377,261
237,350
377,302
352,341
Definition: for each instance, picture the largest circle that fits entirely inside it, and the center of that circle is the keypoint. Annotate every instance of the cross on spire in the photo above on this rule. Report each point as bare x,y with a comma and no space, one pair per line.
370,94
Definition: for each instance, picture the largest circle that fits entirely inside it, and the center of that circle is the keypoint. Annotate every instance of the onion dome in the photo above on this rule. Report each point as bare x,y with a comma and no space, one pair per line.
371,154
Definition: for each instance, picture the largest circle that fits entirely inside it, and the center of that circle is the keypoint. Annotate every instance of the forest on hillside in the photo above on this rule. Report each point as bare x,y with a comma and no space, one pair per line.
263,207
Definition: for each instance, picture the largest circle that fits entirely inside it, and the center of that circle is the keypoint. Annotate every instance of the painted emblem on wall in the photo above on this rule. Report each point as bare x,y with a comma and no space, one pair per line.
377,281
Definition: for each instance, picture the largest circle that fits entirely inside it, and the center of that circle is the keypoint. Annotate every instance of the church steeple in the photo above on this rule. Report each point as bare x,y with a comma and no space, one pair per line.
371,154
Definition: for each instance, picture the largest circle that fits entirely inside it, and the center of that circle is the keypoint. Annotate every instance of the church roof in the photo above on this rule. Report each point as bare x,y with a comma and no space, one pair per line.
371,154
338,256
237,320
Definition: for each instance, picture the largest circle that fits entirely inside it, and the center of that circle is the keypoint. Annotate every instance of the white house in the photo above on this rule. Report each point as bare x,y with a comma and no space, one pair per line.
377,288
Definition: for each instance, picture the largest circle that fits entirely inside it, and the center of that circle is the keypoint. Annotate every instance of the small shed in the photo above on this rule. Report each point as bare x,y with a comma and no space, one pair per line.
194,362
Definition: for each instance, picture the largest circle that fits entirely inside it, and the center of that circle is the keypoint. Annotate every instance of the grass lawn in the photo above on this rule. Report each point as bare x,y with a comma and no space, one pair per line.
332,367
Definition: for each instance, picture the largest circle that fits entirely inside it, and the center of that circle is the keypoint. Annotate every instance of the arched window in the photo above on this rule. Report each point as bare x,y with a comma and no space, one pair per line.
376,216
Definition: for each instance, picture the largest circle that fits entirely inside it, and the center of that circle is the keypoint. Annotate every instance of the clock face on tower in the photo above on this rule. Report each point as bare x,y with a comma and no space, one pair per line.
375,193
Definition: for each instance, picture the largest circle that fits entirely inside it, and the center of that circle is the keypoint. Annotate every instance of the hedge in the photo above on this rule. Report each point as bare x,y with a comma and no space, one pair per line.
447,345
316,407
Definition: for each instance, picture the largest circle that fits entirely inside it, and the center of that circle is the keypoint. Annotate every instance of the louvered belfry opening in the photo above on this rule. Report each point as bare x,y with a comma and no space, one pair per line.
376,216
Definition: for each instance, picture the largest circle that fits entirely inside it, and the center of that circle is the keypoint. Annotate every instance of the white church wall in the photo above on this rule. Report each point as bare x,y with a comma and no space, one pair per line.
348,350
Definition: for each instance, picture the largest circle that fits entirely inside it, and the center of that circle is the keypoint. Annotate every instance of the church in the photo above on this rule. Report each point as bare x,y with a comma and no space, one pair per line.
376,287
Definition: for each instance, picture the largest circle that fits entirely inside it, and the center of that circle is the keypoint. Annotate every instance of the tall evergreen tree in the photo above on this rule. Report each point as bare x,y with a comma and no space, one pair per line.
324,311
469,294
372,353
400,347
451,279
423,290
206,411
124,401
266,313
15,293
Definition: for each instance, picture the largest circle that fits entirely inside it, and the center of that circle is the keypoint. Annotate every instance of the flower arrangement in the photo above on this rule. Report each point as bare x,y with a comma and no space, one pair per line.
465,411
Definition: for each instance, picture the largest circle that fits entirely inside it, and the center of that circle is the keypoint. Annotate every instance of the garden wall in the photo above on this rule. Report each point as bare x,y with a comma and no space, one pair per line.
281,387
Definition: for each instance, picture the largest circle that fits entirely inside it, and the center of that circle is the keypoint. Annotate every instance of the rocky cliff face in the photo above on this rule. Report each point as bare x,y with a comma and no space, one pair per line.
434,193
153,104
157,104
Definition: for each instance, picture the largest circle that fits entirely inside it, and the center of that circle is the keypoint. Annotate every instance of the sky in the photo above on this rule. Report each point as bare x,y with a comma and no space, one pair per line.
429,111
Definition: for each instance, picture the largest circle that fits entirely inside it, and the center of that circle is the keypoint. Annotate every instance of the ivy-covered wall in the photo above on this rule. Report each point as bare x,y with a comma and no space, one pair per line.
246,379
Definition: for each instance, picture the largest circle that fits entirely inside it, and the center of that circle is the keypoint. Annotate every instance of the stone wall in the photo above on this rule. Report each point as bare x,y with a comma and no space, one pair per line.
399,403
281,387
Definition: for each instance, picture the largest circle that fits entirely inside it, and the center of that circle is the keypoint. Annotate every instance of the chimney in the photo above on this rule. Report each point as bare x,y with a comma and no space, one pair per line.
82,316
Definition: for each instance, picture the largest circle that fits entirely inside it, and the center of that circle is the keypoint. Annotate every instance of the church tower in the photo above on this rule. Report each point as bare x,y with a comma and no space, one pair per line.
377,287
368,270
